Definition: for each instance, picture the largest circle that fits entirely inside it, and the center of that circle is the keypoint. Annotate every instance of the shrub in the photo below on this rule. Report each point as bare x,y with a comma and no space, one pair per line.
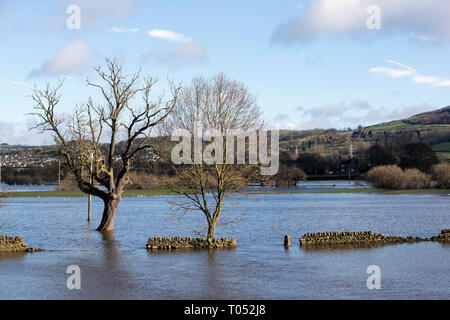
415,179
393,177
142,180
441,173
68,183
289,176
386,177
137,181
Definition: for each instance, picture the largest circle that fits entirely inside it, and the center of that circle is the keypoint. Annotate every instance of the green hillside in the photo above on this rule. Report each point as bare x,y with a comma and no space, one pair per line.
404,125
432,128
442,150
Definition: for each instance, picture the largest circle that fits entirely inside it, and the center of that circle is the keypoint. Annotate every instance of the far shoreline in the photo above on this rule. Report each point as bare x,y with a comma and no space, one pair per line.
169,192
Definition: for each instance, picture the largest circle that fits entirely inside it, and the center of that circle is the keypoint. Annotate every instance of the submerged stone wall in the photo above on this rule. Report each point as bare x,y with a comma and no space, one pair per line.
15,244
179,243
365,238
444,236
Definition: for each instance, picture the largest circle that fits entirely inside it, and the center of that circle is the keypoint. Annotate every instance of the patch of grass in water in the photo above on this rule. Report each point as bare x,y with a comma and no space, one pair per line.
77,193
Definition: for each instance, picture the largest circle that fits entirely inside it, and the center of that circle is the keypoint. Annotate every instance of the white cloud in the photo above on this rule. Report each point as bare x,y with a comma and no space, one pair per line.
123,30
18,133
179,55
359,105
281,117
403,111
184,51
407,71
321,123
420,37
425,79
394,73
444,83
68,60
402,71
18,84
298,109
418,19
329,110
291,126
350,114
168,35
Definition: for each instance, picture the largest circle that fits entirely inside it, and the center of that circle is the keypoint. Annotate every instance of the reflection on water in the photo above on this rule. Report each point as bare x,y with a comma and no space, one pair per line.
187,250
350,246
12,255
117,266
314,186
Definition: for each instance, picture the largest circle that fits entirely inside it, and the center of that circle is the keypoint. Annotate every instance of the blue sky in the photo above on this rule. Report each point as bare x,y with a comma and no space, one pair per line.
310,63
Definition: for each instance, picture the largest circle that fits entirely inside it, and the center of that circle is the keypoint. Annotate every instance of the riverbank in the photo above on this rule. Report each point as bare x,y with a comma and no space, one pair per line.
78,194
166,192
361,190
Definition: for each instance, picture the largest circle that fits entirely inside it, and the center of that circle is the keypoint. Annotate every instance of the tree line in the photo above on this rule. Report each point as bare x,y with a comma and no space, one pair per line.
293,168
409,155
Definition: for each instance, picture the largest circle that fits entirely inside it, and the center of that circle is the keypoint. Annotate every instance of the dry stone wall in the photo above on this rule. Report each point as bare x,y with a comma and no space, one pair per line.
14,244
444,236
179,243
363,238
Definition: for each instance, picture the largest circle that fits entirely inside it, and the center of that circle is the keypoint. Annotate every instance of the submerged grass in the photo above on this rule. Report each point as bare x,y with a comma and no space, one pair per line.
362,190
77,193
165,192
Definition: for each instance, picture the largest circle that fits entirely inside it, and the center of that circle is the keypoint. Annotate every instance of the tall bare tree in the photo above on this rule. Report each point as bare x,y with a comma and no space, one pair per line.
98,128
224,108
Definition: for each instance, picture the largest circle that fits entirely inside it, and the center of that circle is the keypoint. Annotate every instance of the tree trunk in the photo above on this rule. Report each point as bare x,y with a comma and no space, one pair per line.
109,214
212,230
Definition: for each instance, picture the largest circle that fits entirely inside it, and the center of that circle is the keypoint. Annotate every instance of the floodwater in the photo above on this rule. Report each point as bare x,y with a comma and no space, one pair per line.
19,188
117,266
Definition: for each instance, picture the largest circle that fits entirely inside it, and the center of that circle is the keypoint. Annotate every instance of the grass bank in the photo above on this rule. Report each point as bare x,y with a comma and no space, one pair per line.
362,190
375,190
417,191
77,193
165,192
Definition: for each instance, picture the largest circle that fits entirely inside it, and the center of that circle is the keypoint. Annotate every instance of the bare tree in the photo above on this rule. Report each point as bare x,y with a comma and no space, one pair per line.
226,109
121,118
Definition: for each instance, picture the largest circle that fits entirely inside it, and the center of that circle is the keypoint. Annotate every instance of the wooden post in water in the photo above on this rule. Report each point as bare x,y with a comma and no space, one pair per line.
59,175
91,157
287,241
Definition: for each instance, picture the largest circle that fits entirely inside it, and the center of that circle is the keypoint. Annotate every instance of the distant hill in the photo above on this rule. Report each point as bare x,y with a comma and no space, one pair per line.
432,128
441,116
433,119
